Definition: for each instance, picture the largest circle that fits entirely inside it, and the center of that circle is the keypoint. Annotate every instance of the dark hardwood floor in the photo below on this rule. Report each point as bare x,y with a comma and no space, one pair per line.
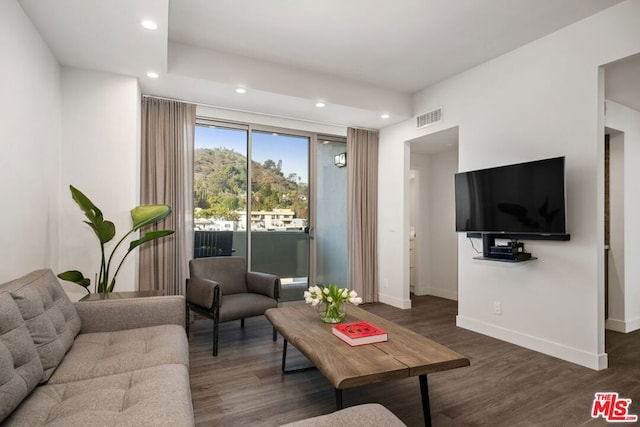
505,385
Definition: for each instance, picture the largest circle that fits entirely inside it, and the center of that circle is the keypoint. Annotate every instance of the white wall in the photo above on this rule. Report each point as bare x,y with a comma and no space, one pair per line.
30,132
542,100
393,219
442,277
627,120
100,157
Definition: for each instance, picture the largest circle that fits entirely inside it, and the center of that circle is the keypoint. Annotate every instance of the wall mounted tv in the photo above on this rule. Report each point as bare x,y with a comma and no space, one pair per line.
524,200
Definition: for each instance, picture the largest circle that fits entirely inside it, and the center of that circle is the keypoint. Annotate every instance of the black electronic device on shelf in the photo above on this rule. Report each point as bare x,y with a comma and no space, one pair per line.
512,251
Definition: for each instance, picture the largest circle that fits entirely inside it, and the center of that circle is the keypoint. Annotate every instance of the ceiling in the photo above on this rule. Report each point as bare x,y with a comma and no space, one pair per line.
362,58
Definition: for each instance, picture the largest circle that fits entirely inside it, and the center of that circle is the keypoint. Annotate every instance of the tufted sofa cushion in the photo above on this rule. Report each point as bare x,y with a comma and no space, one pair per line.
20,367
48,313
106,353
139,398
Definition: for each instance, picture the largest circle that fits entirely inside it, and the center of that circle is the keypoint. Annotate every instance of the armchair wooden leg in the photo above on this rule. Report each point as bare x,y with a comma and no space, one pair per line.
275,334
242,323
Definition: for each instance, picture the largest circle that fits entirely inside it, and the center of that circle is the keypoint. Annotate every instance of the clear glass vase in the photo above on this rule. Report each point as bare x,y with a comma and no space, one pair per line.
332,312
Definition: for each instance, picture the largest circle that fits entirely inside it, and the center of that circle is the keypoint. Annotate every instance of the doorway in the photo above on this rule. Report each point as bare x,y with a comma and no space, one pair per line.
433,240
615,313
622,115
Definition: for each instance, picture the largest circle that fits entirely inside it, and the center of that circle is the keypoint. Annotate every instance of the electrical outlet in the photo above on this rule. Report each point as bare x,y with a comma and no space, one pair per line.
385,283
497,308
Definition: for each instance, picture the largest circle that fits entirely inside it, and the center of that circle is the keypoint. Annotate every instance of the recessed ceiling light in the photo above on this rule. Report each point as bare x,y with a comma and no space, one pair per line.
241,90
152,75
320,104
274,134
149,24
384,116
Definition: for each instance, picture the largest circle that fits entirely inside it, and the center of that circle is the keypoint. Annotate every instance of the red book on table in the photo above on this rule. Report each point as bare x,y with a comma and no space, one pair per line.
359,333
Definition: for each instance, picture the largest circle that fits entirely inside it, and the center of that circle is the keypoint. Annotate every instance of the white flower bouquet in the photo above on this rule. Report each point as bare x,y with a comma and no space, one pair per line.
333,299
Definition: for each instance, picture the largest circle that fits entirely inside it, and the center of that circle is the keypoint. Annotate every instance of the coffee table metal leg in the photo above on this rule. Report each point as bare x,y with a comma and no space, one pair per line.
426,407
284,356
284,361
338,399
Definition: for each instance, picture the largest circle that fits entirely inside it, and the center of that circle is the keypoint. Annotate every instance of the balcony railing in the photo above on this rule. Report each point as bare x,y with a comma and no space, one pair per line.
212,243
283,253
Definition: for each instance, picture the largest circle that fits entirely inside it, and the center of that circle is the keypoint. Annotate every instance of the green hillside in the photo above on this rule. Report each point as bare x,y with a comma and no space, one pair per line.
220,185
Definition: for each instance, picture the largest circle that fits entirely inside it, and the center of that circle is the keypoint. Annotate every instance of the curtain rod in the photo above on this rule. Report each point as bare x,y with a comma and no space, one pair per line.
238,110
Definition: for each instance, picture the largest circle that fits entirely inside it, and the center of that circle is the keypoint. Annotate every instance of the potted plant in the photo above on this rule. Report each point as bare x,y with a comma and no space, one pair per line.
106,230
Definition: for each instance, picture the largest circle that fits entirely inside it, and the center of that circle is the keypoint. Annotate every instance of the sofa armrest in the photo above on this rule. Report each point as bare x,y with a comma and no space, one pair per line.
130,313
203,292
368,414
264,284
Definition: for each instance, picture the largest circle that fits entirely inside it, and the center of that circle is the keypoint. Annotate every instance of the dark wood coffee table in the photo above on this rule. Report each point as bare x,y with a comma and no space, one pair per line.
405,354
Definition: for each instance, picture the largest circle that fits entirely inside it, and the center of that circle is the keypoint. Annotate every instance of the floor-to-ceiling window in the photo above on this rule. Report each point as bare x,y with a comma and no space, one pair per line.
279,171
220,189
252,198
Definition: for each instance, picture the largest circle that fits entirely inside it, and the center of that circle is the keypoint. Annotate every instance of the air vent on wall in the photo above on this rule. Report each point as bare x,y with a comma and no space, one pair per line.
427,119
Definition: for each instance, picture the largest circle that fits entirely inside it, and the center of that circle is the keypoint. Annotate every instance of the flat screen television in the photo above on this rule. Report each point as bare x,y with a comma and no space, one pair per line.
523,198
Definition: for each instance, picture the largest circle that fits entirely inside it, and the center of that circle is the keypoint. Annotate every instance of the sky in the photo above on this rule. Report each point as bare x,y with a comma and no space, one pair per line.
292,150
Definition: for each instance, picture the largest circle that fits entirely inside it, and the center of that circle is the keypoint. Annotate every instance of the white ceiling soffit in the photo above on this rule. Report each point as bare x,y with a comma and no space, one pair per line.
223,96
255,74
361,57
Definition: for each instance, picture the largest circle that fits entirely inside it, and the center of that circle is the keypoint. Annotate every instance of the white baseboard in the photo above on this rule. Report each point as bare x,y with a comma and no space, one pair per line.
570,354
393,301
443,293
622,326
633,325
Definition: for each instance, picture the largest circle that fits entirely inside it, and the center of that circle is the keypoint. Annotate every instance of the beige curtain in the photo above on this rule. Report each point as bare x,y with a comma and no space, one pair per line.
167,177
362,212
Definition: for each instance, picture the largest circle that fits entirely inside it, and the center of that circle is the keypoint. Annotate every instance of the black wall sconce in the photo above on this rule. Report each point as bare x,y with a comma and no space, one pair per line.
340,160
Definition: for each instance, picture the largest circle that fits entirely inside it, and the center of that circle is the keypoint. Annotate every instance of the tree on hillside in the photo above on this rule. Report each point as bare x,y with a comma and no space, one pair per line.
220,185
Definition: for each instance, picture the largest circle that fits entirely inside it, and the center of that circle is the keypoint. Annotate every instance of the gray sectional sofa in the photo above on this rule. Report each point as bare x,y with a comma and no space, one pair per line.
100,363
112,362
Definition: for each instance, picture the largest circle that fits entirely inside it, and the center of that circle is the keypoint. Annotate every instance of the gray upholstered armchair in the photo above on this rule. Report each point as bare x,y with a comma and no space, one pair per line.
221,288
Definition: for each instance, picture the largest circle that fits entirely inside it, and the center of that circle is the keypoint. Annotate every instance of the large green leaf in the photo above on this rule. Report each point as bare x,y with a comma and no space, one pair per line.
149,214
105,230
90,210
76,277
151,235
